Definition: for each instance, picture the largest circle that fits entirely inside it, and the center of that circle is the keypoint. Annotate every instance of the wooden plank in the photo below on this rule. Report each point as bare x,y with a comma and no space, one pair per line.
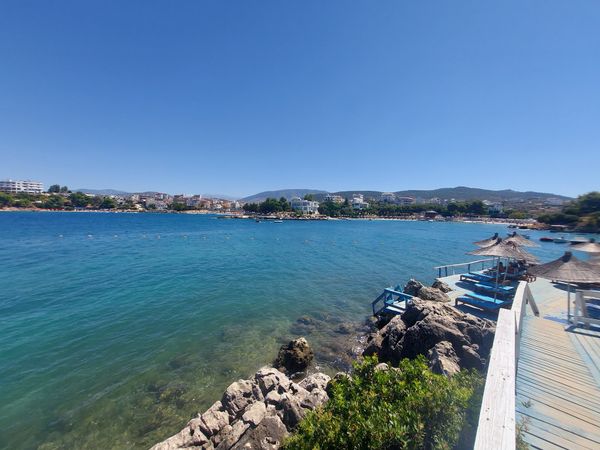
496,428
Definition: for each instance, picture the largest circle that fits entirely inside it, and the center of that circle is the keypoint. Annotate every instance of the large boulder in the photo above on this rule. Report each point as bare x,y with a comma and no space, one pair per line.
213,419
445,288
239,395
268,435
294,356
443,359
433,294
423,326
413,287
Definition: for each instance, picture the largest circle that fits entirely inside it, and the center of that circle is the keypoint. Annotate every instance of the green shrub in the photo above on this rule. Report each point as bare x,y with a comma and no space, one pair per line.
409,408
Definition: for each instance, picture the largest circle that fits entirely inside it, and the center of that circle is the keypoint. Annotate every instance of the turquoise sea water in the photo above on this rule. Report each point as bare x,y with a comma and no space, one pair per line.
116,328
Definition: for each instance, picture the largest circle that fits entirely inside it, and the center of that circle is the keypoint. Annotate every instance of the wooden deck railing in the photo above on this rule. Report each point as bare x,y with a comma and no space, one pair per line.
450,269
497,428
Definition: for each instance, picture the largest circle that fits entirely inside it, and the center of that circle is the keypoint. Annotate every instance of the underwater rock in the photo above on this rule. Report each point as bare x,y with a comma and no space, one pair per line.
295,356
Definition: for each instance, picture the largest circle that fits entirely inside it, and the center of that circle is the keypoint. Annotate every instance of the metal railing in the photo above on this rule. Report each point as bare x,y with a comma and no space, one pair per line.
469,265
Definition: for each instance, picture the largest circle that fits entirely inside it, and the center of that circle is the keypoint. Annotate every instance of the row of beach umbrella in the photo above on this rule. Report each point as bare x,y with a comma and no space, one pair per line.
568,268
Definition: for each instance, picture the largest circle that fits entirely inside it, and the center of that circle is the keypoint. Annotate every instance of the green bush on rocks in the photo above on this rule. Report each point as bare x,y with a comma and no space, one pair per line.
408,407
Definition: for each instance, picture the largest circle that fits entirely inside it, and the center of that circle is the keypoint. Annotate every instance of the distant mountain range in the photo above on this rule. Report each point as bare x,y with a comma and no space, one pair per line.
117,192
457,193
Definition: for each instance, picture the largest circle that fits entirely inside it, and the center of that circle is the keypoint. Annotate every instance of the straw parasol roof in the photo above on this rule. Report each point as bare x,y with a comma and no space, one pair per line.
505,249
569,269
521,240
588,247
487,242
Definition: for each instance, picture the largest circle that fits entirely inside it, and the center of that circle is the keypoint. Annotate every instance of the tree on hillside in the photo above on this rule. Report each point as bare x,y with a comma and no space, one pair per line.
5,199
79,199
55,189
108,203
309,197
64,189
54,202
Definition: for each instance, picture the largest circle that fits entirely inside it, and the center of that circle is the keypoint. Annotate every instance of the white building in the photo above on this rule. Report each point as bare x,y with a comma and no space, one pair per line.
304,206
495,208
20,186
334,198
358,202
554,201
405,201
388,197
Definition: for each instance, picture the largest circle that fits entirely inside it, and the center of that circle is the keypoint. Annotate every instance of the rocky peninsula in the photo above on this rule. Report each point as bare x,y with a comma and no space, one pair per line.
260,412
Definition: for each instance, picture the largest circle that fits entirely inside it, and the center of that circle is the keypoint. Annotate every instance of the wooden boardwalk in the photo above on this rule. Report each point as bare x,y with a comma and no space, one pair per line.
558,377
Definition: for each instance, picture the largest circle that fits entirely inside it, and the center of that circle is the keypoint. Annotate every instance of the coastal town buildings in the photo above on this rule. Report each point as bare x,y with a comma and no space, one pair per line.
388,197
334,198
358,202
405,201
304,206
21,186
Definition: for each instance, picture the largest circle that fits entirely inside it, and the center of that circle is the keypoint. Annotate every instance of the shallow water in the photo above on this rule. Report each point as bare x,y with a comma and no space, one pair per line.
116,328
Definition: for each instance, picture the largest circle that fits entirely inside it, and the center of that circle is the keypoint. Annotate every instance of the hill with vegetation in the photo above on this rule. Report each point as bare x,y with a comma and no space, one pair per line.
285,193
582,215
459,193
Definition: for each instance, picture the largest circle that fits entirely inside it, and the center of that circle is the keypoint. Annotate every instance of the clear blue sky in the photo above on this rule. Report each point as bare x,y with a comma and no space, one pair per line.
237,97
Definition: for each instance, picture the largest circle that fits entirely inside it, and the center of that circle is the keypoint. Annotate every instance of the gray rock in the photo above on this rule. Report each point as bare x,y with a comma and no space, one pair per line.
443,359
239,395
213,419
292,412
268,435
433,294
374,344
314,399
180,440
382,367
269,378
295,356
254,413
231,434
273,398
427,323
316,380
445,288
470,358
413,287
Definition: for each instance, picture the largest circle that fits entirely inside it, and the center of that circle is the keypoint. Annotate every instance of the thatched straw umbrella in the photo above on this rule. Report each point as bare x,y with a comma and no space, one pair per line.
568,269
591,247
521,240
503,249
487,242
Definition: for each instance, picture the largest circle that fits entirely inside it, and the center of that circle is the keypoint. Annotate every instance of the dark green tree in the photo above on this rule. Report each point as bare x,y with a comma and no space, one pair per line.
54,202
55,188
79,199
6,199
108,203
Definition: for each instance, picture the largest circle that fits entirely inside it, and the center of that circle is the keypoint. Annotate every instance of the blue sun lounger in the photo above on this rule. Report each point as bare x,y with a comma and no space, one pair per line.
477,277
487,287
483,302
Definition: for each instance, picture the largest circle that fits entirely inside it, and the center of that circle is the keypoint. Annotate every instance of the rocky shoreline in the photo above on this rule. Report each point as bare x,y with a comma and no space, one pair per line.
258,413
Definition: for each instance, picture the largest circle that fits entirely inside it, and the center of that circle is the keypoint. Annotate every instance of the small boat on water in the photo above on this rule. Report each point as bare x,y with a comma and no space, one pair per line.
560,240
579,240
546,239
278,221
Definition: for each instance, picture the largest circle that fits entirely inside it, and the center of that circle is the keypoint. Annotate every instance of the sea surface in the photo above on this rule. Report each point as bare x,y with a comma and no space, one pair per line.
116,328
